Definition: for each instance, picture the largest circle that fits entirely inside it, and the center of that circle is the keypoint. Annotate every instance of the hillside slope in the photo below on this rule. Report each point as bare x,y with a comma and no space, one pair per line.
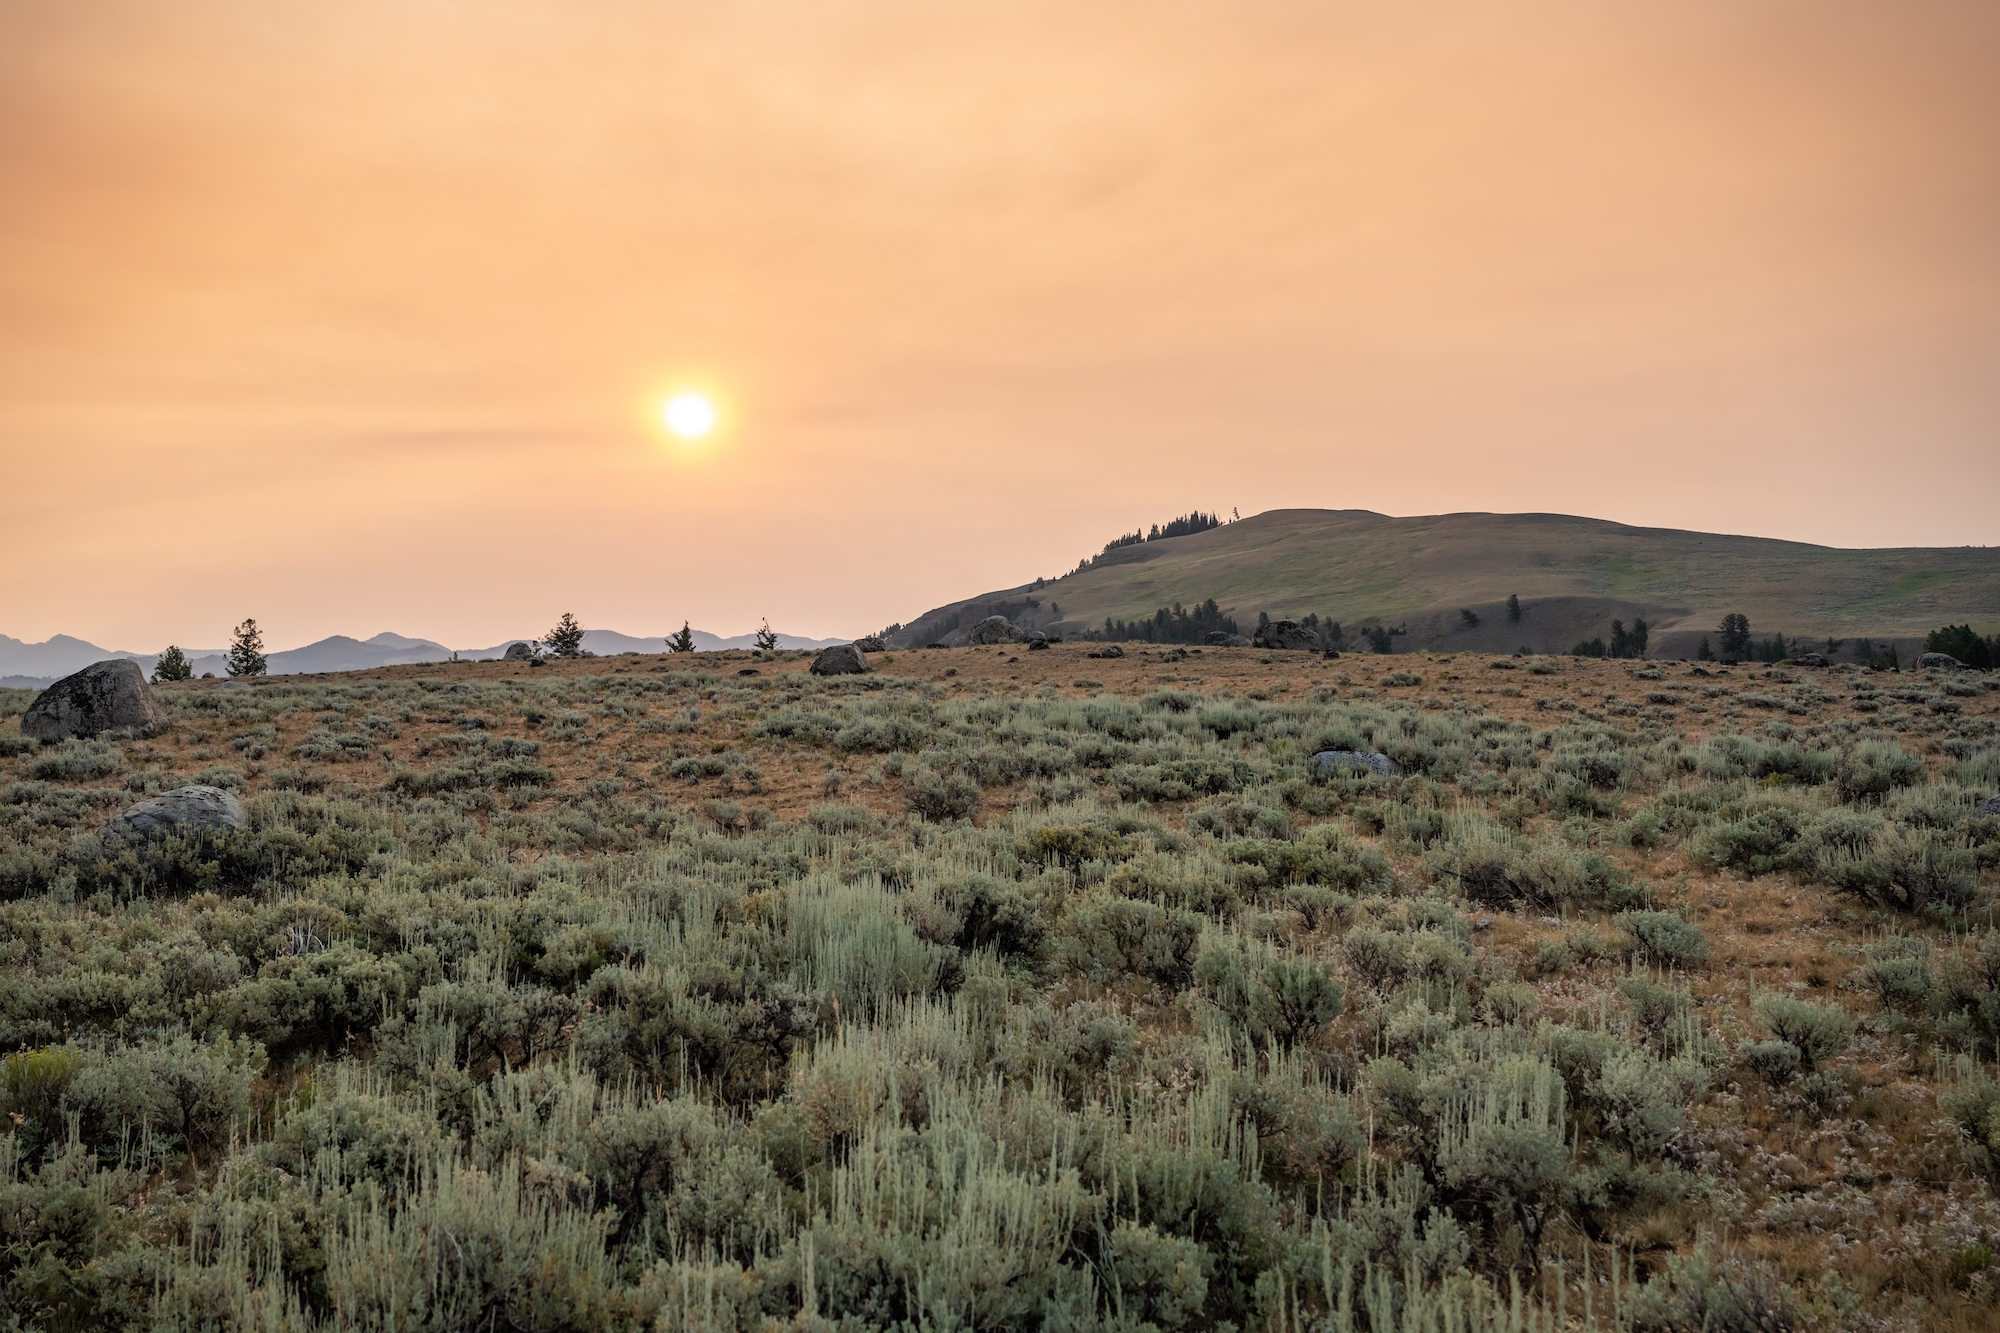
1573,575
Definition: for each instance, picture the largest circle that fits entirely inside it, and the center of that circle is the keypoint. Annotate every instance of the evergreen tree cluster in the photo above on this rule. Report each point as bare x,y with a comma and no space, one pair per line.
1184,526
1175,624
1968,647
1380,637
1624,642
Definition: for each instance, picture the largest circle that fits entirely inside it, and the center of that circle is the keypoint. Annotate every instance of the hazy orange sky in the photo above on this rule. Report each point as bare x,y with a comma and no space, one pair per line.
355,317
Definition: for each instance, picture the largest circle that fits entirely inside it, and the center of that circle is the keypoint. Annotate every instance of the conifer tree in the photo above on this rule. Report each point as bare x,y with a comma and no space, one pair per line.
766,640
1733,635
246,650
1513,609
566,639
173,665
682,642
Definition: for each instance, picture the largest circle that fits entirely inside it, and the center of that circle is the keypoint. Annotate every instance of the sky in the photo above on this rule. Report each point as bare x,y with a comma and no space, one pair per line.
359,317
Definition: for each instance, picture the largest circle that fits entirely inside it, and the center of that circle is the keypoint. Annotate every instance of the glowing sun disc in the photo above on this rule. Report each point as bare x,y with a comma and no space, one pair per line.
689,415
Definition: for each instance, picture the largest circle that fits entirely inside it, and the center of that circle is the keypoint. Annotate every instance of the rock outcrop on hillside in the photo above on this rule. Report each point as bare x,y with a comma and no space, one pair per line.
102,697
843,659
1286,634
995,629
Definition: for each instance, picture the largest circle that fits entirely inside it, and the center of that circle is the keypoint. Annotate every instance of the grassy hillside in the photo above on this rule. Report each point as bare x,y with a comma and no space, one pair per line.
997,991
1573,574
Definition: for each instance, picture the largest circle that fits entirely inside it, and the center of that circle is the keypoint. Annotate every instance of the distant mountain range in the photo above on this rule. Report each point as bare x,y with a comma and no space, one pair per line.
1444,580
36,665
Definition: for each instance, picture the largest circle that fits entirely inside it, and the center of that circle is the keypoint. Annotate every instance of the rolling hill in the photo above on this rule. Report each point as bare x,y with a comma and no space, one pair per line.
37,665
1572,575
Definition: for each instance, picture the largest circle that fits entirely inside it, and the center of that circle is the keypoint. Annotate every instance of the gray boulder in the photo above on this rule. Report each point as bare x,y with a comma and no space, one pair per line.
518,652
1940,662
996,629
1810,660
1037,644
1108,650
1222,638
182,812
99,698
1379,764
1287,634
1989,806
871,643
843,659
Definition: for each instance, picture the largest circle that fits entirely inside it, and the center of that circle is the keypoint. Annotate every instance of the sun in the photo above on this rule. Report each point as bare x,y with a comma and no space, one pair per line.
688,415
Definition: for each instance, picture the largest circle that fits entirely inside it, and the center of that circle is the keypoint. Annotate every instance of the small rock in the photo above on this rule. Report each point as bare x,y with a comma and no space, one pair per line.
1379,764
461,688
99,698
179,812
1012,660
996,629
1174,655
749,671
871,643
1222,638
937,645
518,652
1108,650
843,659
1330,654
1810,660
1940,662
1037,645
1989,806
1286,634
1483,923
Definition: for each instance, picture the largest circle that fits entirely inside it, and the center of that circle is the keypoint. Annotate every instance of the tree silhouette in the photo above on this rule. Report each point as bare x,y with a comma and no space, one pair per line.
682,642
173,665
1733,635
246,650
566,639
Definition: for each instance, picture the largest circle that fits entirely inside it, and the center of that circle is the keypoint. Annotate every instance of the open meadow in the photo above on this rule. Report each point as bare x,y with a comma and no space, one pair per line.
1009,989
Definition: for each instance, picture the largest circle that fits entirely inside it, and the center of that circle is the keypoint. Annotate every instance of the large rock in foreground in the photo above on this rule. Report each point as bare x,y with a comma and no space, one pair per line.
843,659
183,812
101,697
1287,634
1379,764
995,629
